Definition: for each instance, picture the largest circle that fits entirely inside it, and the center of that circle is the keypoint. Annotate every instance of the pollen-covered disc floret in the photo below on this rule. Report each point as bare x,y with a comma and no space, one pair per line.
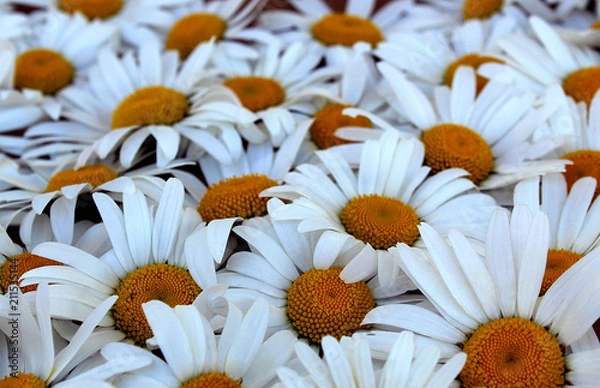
481,9
212,380
380,221
152,105
557,262
585,163
16,266
192,30
44,70
344,29
329,119
92,9
167,283
513,352
95,175
473,60
235,197
583,84
320,304
456,146
22,380
256,93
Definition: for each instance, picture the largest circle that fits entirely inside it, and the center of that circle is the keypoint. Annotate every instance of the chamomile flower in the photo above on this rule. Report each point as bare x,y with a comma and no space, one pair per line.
382,204
348,363
148,260
153,94
195,356
57,56
489,135
490,309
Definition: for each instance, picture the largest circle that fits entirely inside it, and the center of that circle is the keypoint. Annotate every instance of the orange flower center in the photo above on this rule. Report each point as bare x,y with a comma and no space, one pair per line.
95,175
583,84
152,105
44,70
22,380
342,29
557,262
256,93
16,266
481,9
92,9
212,380
329,119
585,163
473,60
191,30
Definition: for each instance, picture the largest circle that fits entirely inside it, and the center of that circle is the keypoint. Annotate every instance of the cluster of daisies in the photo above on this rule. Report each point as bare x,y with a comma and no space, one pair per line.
228,193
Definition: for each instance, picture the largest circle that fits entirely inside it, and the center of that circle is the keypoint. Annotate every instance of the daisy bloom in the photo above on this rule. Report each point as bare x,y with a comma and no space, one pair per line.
383,203
57,56
299,274
148,261
194,356
488,135
348,363
490,309
37,362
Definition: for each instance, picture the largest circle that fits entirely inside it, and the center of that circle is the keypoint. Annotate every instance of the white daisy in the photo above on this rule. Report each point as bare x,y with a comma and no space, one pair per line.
382,203
58,55
148,260
348,363
240,356
490,309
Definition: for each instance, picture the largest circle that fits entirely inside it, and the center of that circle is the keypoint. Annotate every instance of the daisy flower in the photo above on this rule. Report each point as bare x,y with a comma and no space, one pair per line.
490,309
194,356
37,362
383,203
488,135
348,363
484,9
57,56
147,261
300,275
151,93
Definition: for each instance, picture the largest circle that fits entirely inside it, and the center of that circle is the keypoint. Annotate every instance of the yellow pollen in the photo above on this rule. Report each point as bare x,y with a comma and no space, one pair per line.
22,380
44,70
17,265
152,105
329,119
256,93
319,303
235,197
585,163
95,175
557,262
380,221
456,146
101,9
343,29
481,9
595,25
513,352
473,60
167,283
583,84
191,30
212,380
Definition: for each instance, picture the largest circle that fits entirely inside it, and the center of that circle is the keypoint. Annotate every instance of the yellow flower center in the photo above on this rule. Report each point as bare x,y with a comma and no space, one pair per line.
585,163
481,9
595,25
16,266
343,29
92,9
235,197
583,84
44,70
380,221
95,175
152,105
169,284
557,262
212,380
513,352
456,146
320,304
192,30
22,380
328,120
256,93
473,60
